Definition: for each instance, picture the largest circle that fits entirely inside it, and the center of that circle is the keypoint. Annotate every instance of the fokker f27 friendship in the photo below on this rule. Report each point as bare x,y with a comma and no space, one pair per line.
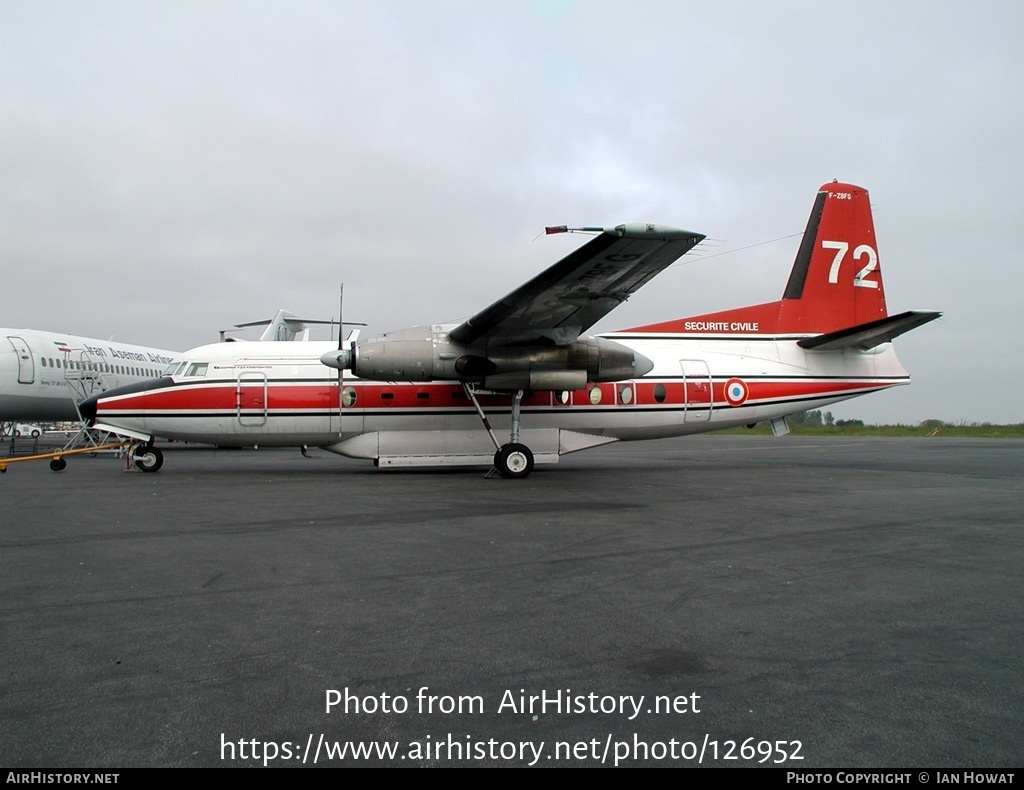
524,370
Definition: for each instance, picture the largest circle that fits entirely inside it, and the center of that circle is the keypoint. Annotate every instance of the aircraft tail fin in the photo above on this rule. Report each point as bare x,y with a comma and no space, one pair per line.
835,283
285,326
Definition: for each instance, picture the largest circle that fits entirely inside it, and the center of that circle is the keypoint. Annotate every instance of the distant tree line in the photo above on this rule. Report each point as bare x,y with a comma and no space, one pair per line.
818,419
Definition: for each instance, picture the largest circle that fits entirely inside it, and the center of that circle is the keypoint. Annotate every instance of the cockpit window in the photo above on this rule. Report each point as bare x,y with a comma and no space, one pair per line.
197,369
173,368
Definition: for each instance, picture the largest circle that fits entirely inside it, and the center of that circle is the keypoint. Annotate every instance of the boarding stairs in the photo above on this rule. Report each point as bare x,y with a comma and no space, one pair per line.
83,374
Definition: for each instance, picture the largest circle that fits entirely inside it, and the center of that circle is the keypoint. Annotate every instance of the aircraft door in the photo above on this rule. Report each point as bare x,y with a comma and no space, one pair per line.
697,400
251,398
26,362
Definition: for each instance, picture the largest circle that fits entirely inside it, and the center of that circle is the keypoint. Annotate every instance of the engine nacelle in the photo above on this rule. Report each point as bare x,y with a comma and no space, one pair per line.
538,380
426,353
404,355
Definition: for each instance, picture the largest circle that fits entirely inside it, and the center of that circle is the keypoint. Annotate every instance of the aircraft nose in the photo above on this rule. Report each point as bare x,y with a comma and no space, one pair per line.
87,409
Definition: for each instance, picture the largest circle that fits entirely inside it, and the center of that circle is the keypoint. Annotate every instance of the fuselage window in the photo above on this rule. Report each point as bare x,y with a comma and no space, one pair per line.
625,394
659,393
348,397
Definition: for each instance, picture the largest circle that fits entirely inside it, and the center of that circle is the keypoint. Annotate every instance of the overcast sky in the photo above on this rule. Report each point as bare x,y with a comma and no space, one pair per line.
169,169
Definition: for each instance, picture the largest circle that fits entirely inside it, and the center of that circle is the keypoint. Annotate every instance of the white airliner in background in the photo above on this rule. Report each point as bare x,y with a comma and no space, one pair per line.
43,375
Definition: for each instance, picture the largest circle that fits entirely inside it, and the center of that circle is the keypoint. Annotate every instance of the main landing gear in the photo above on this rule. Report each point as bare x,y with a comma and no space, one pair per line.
513,459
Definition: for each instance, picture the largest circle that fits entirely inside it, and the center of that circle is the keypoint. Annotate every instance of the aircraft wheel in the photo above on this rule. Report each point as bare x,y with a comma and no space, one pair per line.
514,460
149,459
58,464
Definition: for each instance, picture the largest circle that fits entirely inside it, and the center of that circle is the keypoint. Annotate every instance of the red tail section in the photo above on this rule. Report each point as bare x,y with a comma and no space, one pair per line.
835,282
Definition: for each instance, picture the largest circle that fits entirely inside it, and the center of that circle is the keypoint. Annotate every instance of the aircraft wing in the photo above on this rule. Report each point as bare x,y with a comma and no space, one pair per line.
568,298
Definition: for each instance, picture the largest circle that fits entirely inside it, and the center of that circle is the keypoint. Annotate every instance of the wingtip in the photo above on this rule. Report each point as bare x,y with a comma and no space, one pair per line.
650,230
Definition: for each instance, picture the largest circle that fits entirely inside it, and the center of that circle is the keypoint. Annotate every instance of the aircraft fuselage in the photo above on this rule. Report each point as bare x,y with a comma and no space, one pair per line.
280,394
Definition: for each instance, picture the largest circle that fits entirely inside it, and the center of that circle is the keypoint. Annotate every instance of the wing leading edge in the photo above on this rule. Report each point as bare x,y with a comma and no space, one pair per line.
572,295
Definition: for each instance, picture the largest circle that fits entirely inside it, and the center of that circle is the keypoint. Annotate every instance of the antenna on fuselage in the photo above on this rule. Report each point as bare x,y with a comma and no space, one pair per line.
341,341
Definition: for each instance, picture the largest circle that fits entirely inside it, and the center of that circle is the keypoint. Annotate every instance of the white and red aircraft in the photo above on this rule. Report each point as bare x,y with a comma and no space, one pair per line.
418,396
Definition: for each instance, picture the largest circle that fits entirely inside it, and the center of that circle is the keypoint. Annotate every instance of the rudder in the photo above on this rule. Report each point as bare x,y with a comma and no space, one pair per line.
835,281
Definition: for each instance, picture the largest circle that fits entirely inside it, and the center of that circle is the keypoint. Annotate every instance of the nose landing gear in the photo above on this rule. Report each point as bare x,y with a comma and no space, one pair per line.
148,458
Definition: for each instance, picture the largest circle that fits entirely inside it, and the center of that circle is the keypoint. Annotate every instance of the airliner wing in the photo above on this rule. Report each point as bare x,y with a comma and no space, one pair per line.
568,298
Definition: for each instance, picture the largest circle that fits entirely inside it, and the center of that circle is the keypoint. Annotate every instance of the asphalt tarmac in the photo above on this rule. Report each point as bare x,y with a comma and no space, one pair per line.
709,600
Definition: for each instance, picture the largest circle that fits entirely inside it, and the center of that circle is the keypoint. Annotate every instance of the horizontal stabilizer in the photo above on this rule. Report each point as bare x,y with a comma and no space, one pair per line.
871,334
288,326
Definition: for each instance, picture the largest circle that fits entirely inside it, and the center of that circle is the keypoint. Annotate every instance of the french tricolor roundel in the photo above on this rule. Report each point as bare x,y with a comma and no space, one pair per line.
736,392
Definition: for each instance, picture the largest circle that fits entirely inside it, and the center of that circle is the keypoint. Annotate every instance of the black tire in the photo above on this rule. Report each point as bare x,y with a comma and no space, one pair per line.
35,433
58,464
514,461
148,459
